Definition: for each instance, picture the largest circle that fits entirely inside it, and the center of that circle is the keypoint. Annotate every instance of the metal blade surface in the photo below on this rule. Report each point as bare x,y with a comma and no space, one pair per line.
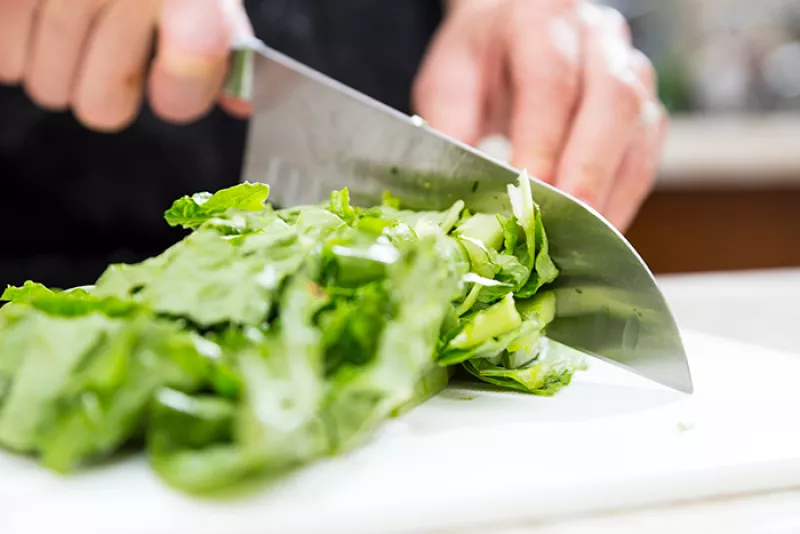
310,135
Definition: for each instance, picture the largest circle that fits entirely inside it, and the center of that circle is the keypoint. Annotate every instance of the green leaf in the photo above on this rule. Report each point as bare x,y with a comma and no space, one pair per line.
390,201
494,321
211,280
192,211
359,399
284,384
72,302
552,370
352,323
180,421
511,274
81,384
545,270
479,257
317,223
492,348
358,258
482,228
49,350
524,210
511,232
28,291
340,206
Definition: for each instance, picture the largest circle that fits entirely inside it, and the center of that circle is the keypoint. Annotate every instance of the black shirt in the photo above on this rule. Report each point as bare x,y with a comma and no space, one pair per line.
74,200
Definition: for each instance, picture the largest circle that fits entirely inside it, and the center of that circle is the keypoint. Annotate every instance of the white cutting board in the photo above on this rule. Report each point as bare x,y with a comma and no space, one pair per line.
609,441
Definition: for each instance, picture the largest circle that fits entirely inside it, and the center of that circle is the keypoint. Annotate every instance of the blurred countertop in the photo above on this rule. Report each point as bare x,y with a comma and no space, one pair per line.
757,307
732,150
720,151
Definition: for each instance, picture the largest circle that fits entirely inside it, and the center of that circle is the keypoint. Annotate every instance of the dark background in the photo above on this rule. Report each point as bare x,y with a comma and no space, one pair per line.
75,200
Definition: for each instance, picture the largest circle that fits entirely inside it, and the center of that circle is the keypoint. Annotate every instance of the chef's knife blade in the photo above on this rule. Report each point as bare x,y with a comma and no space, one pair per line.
309,135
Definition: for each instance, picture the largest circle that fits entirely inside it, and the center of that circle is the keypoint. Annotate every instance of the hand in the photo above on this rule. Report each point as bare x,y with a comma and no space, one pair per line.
559,78
94,55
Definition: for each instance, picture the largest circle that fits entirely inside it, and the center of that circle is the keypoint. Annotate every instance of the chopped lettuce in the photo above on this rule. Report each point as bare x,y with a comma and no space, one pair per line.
545,374
193,211
266,339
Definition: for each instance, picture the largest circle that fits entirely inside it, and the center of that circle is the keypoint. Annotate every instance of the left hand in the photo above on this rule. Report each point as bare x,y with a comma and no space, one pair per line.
559,78
93,56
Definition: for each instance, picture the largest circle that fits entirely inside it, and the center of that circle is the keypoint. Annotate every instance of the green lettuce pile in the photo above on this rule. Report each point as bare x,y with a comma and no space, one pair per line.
267,338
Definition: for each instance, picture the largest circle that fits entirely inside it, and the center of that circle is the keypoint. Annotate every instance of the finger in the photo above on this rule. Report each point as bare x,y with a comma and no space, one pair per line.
194,39
236,18
16,22
60,33
608,113
109,89
546,85
448,91
239,25
236,107
637,173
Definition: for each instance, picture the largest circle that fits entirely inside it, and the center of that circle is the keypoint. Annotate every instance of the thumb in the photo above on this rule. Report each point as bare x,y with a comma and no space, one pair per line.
193,43
448,92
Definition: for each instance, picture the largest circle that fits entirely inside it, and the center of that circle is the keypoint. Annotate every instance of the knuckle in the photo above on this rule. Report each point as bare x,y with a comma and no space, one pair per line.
547,71
558,70
559,5
644,182
613,19
605,19
566,85
558,85
648,69
653,117
640,189
664,122
593,182
62,17
644,69
626,95
565,39
525,13
617,21
522,17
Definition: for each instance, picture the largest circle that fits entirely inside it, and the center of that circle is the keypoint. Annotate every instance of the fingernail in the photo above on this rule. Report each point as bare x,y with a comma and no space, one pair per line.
650,114
194,37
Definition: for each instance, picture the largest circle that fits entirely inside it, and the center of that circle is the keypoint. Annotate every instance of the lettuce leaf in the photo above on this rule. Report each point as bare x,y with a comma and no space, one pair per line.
266,339
192,211
546,374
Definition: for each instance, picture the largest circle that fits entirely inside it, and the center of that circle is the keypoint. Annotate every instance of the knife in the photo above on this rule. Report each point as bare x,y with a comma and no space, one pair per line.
309,135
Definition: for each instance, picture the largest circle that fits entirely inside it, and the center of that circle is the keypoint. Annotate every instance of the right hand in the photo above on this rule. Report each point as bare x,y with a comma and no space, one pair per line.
94,56
563,82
